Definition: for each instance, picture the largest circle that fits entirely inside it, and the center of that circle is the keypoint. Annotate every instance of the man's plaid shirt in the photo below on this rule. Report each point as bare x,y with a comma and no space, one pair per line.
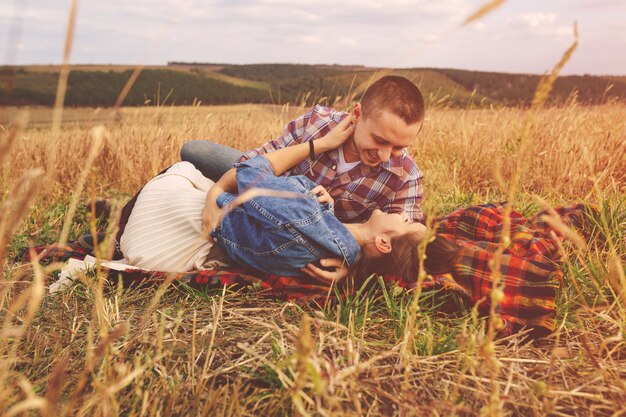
394,186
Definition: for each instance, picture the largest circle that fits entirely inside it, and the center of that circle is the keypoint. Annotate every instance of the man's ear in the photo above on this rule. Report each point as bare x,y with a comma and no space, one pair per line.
383,244
357,112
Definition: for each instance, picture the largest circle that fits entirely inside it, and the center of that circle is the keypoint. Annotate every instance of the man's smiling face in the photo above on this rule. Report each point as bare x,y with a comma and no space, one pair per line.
379,137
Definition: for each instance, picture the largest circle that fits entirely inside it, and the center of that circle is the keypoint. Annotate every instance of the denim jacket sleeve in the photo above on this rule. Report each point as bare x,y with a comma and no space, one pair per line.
258,172
253,173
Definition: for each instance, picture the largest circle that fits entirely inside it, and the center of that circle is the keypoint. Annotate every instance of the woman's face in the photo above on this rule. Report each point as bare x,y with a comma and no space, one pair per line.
383,228
394,225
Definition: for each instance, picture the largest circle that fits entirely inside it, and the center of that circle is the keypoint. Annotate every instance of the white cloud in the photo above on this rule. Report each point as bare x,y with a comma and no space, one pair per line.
310,17
370,32
348,42
26,14
537,19
563,32
423,39
478,26
544,25
310,39
603,4
14,14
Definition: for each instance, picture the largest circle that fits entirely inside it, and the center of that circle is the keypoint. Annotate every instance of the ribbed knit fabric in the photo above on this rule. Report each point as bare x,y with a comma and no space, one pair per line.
164,231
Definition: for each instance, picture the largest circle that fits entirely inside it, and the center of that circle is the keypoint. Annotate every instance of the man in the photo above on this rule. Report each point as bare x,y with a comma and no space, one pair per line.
372,169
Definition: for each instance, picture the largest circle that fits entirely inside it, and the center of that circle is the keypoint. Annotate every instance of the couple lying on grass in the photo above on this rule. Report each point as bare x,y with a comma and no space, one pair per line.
336,195
348,203
273,224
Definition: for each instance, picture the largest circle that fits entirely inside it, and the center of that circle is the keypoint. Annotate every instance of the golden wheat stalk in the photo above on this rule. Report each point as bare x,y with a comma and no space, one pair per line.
16,206
8,139
496,295
617,278
554,220
484,10
98,136
57,115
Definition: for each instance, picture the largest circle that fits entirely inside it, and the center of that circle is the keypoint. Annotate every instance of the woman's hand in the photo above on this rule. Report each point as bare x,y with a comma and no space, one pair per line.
211,212
322,195
210,216
337,136
336,271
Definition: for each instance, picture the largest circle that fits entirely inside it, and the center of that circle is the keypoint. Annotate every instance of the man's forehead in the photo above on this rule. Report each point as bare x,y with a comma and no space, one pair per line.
391,128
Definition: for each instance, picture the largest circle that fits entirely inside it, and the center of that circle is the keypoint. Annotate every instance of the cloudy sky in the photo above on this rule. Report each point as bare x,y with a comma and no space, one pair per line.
520,36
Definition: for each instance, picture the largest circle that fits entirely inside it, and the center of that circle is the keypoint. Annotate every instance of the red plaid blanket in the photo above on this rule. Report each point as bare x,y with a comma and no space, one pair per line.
529,268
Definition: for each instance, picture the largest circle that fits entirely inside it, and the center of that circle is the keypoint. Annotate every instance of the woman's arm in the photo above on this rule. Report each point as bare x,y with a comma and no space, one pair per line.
285,158
281,160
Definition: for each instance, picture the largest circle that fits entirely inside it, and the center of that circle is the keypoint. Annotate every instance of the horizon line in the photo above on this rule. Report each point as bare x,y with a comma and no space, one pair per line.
364,67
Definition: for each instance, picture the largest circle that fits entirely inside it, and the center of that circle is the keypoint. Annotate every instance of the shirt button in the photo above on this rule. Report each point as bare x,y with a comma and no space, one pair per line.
334,166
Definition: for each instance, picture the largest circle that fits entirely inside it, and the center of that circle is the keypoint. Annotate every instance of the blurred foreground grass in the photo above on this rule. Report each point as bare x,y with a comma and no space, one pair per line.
165,351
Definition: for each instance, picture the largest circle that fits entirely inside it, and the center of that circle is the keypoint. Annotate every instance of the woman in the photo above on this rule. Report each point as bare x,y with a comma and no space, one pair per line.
258,219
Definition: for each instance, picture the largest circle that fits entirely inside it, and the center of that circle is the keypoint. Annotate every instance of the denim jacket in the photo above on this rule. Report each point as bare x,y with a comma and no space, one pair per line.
280,235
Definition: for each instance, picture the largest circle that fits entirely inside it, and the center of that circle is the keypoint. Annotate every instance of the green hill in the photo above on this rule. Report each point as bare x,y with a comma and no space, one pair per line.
101,88
435,86
187,83
514,89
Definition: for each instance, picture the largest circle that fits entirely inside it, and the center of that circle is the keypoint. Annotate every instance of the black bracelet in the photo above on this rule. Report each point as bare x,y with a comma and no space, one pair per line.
311,151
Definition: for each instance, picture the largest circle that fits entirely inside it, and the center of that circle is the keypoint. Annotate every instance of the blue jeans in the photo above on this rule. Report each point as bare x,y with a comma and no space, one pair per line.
212,159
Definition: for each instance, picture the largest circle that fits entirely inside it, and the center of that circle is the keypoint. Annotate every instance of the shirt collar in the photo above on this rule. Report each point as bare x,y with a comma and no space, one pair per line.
395,164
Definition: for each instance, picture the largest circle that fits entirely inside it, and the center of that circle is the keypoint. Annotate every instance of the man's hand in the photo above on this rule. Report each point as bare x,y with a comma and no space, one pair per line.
322,195
338,271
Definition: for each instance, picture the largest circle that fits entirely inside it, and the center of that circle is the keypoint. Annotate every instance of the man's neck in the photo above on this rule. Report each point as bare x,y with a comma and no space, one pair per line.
350,152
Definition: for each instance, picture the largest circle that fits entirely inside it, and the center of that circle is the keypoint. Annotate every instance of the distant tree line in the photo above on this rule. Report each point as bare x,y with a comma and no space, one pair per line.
99,88
516,89
288,83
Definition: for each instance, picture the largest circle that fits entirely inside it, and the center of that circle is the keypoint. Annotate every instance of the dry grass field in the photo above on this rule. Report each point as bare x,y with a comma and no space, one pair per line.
168,351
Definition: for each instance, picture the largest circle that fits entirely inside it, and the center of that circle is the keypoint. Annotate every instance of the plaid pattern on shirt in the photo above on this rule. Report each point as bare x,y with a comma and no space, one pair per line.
529,266
394,186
